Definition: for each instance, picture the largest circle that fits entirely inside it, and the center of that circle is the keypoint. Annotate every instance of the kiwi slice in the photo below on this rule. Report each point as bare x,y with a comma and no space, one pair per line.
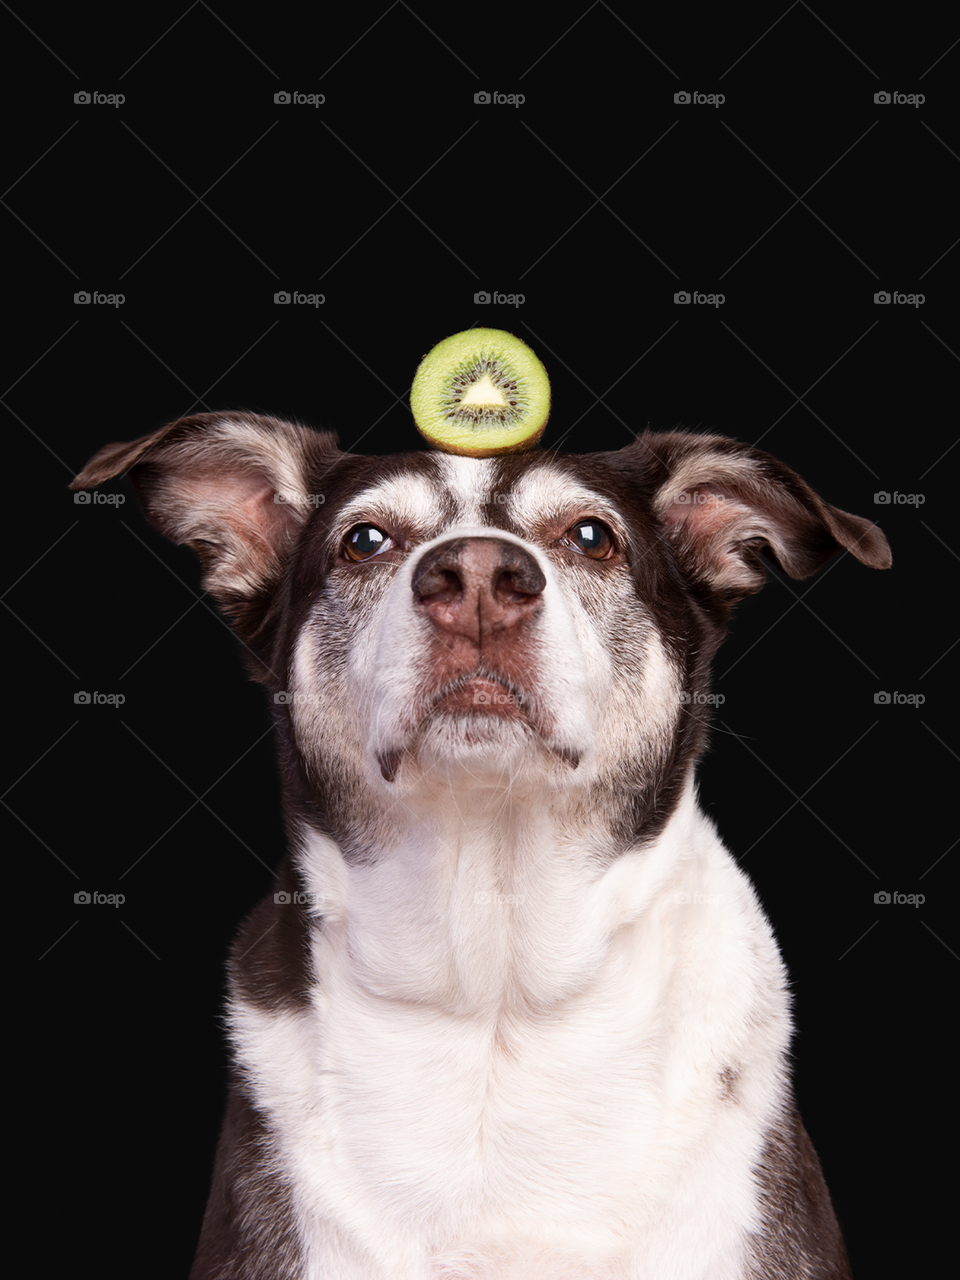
481,393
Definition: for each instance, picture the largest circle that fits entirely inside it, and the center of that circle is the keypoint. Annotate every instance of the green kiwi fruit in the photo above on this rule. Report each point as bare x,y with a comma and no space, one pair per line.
481,393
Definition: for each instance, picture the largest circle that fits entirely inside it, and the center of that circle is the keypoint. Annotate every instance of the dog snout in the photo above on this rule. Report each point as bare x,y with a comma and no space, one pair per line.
481,589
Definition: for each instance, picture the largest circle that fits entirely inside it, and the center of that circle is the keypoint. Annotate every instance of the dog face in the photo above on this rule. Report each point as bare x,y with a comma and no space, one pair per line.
541,622
482,624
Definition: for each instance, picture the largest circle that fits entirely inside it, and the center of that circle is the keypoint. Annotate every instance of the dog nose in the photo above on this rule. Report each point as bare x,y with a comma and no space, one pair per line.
478,588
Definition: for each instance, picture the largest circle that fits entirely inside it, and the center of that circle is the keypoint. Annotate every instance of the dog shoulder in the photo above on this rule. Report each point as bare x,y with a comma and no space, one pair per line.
248,1228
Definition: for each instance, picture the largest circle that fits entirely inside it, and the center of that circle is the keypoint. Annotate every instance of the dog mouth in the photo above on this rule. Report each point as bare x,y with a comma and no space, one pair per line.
483,695
481,702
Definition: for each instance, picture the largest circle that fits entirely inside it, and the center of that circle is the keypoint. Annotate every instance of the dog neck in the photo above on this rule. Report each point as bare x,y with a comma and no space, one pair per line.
488,903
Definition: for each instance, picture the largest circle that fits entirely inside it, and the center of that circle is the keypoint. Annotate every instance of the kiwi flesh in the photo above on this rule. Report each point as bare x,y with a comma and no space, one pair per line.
482,392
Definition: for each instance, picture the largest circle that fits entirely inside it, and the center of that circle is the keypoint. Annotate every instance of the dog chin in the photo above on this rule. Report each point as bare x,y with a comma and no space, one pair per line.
481,748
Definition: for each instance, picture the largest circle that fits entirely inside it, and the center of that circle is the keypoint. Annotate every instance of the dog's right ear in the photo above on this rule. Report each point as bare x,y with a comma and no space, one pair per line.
721,503
235,487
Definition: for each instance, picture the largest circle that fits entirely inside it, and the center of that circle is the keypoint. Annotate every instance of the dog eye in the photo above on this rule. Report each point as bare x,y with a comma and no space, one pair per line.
364,541
591,538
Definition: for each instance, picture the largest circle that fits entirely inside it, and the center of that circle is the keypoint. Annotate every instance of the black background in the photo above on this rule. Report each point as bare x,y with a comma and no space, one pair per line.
399,198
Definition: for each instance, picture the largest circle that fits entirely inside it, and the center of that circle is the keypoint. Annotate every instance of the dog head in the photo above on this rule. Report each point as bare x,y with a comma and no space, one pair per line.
537,622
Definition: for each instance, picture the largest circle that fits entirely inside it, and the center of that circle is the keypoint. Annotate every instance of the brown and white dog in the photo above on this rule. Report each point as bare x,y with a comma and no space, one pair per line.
512,1011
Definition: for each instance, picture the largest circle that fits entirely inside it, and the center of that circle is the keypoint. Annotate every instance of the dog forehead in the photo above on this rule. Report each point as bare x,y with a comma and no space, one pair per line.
477,491
428,487
547,491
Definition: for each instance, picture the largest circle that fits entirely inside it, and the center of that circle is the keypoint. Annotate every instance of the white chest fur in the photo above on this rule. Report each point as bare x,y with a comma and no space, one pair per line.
567,1073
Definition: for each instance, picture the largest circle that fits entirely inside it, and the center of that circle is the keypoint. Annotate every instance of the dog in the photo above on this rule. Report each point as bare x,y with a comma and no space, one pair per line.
512,1011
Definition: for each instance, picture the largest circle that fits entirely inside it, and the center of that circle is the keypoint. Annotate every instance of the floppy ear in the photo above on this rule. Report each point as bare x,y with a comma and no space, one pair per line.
234,486
722,503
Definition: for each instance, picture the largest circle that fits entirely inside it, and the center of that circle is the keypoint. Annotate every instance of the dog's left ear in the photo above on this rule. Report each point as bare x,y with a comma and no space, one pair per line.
722,503
236,487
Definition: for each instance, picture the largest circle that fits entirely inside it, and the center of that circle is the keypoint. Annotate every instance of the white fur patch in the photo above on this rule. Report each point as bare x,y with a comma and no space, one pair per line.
527,1083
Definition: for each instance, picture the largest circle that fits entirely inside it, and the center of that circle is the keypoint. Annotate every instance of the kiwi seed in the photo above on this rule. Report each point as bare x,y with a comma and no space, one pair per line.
481,392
